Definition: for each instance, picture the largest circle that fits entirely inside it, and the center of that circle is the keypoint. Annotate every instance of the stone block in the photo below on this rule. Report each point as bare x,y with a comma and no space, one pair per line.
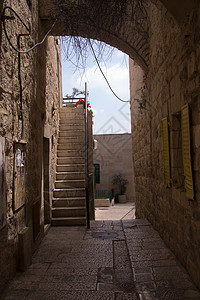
196,136
191,64
102,202
196,159
175,86
175,104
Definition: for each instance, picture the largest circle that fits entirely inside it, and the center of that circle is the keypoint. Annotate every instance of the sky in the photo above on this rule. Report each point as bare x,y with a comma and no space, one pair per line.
110,115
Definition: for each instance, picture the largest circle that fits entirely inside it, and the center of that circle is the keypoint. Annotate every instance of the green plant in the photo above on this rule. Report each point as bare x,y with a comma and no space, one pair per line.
142,100
121,182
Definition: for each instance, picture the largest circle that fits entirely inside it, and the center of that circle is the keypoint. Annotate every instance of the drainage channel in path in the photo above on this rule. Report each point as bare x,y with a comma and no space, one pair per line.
119,278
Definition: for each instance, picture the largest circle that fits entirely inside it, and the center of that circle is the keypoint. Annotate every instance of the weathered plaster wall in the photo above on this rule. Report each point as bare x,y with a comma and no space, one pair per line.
114,154
40,91
171,82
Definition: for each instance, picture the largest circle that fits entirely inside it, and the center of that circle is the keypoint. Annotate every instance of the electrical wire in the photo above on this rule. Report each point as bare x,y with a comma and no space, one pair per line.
7,37
3,18
20,89
104,74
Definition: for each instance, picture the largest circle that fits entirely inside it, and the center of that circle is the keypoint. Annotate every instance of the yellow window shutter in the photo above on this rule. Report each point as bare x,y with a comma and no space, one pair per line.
166,158
187,165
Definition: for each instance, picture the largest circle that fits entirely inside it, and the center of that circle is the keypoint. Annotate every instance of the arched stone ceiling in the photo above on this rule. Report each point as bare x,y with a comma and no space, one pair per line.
179,8
119,23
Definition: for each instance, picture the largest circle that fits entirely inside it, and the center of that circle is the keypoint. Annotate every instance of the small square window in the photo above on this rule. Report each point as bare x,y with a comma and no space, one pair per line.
97,173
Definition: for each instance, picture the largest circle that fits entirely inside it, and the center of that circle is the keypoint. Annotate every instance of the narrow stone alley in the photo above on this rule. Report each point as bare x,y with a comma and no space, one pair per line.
121,259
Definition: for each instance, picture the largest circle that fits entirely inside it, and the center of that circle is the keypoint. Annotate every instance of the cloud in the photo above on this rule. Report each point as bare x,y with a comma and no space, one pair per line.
117,76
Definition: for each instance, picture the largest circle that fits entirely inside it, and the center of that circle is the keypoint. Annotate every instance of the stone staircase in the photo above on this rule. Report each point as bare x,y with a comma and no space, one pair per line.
68,203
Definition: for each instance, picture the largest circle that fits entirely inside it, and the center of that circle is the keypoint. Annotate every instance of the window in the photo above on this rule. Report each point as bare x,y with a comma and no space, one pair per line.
179,171
166,157
97,173
176,152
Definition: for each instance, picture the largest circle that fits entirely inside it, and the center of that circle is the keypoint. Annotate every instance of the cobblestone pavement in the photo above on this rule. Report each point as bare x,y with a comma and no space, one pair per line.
124,259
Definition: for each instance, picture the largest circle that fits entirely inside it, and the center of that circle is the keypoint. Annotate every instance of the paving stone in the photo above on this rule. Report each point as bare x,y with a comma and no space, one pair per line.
125,296
169,294
154,263
123,274
147,285
69,278
71,295
154,244
182,284
136,222
126,287
105,275
121,256
64,286
43,266
152,254
62,269
143,277
22,285
144,270
169,273
15,294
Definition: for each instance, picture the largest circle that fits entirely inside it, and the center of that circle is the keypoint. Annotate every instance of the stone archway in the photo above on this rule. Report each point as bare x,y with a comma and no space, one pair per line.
122,24
116,23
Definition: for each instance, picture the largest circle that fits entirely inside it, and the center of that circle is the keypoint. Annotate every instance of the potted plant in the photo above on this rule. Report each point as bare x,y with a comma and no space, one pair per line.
121,182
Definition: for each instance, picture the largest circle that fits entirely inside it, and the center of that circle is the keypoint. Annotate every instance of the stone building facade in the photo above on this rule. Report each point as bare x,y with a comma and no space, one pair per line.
171,83
114,156
28,129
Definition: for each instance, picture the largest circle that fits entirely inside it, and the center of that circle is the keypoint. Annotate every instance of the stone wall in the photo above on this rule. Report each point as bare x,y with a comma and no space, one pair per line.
41,99
114,155
171,82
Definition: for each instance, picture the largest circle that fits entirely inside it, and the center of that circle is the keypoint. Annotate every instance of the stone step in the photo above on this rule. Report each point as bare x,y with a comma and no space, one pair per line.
67,105
72,221
71,133
68,202
70,160
70,120
70,168
70,175
70,153
71,139
71,146
70,109
65,212
71,115
66,193
66,184
74,126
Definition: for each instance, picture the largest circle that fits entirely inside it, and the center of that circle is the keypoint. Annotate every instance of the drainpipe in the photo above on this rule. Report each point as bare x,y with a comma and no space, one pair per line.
86,162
